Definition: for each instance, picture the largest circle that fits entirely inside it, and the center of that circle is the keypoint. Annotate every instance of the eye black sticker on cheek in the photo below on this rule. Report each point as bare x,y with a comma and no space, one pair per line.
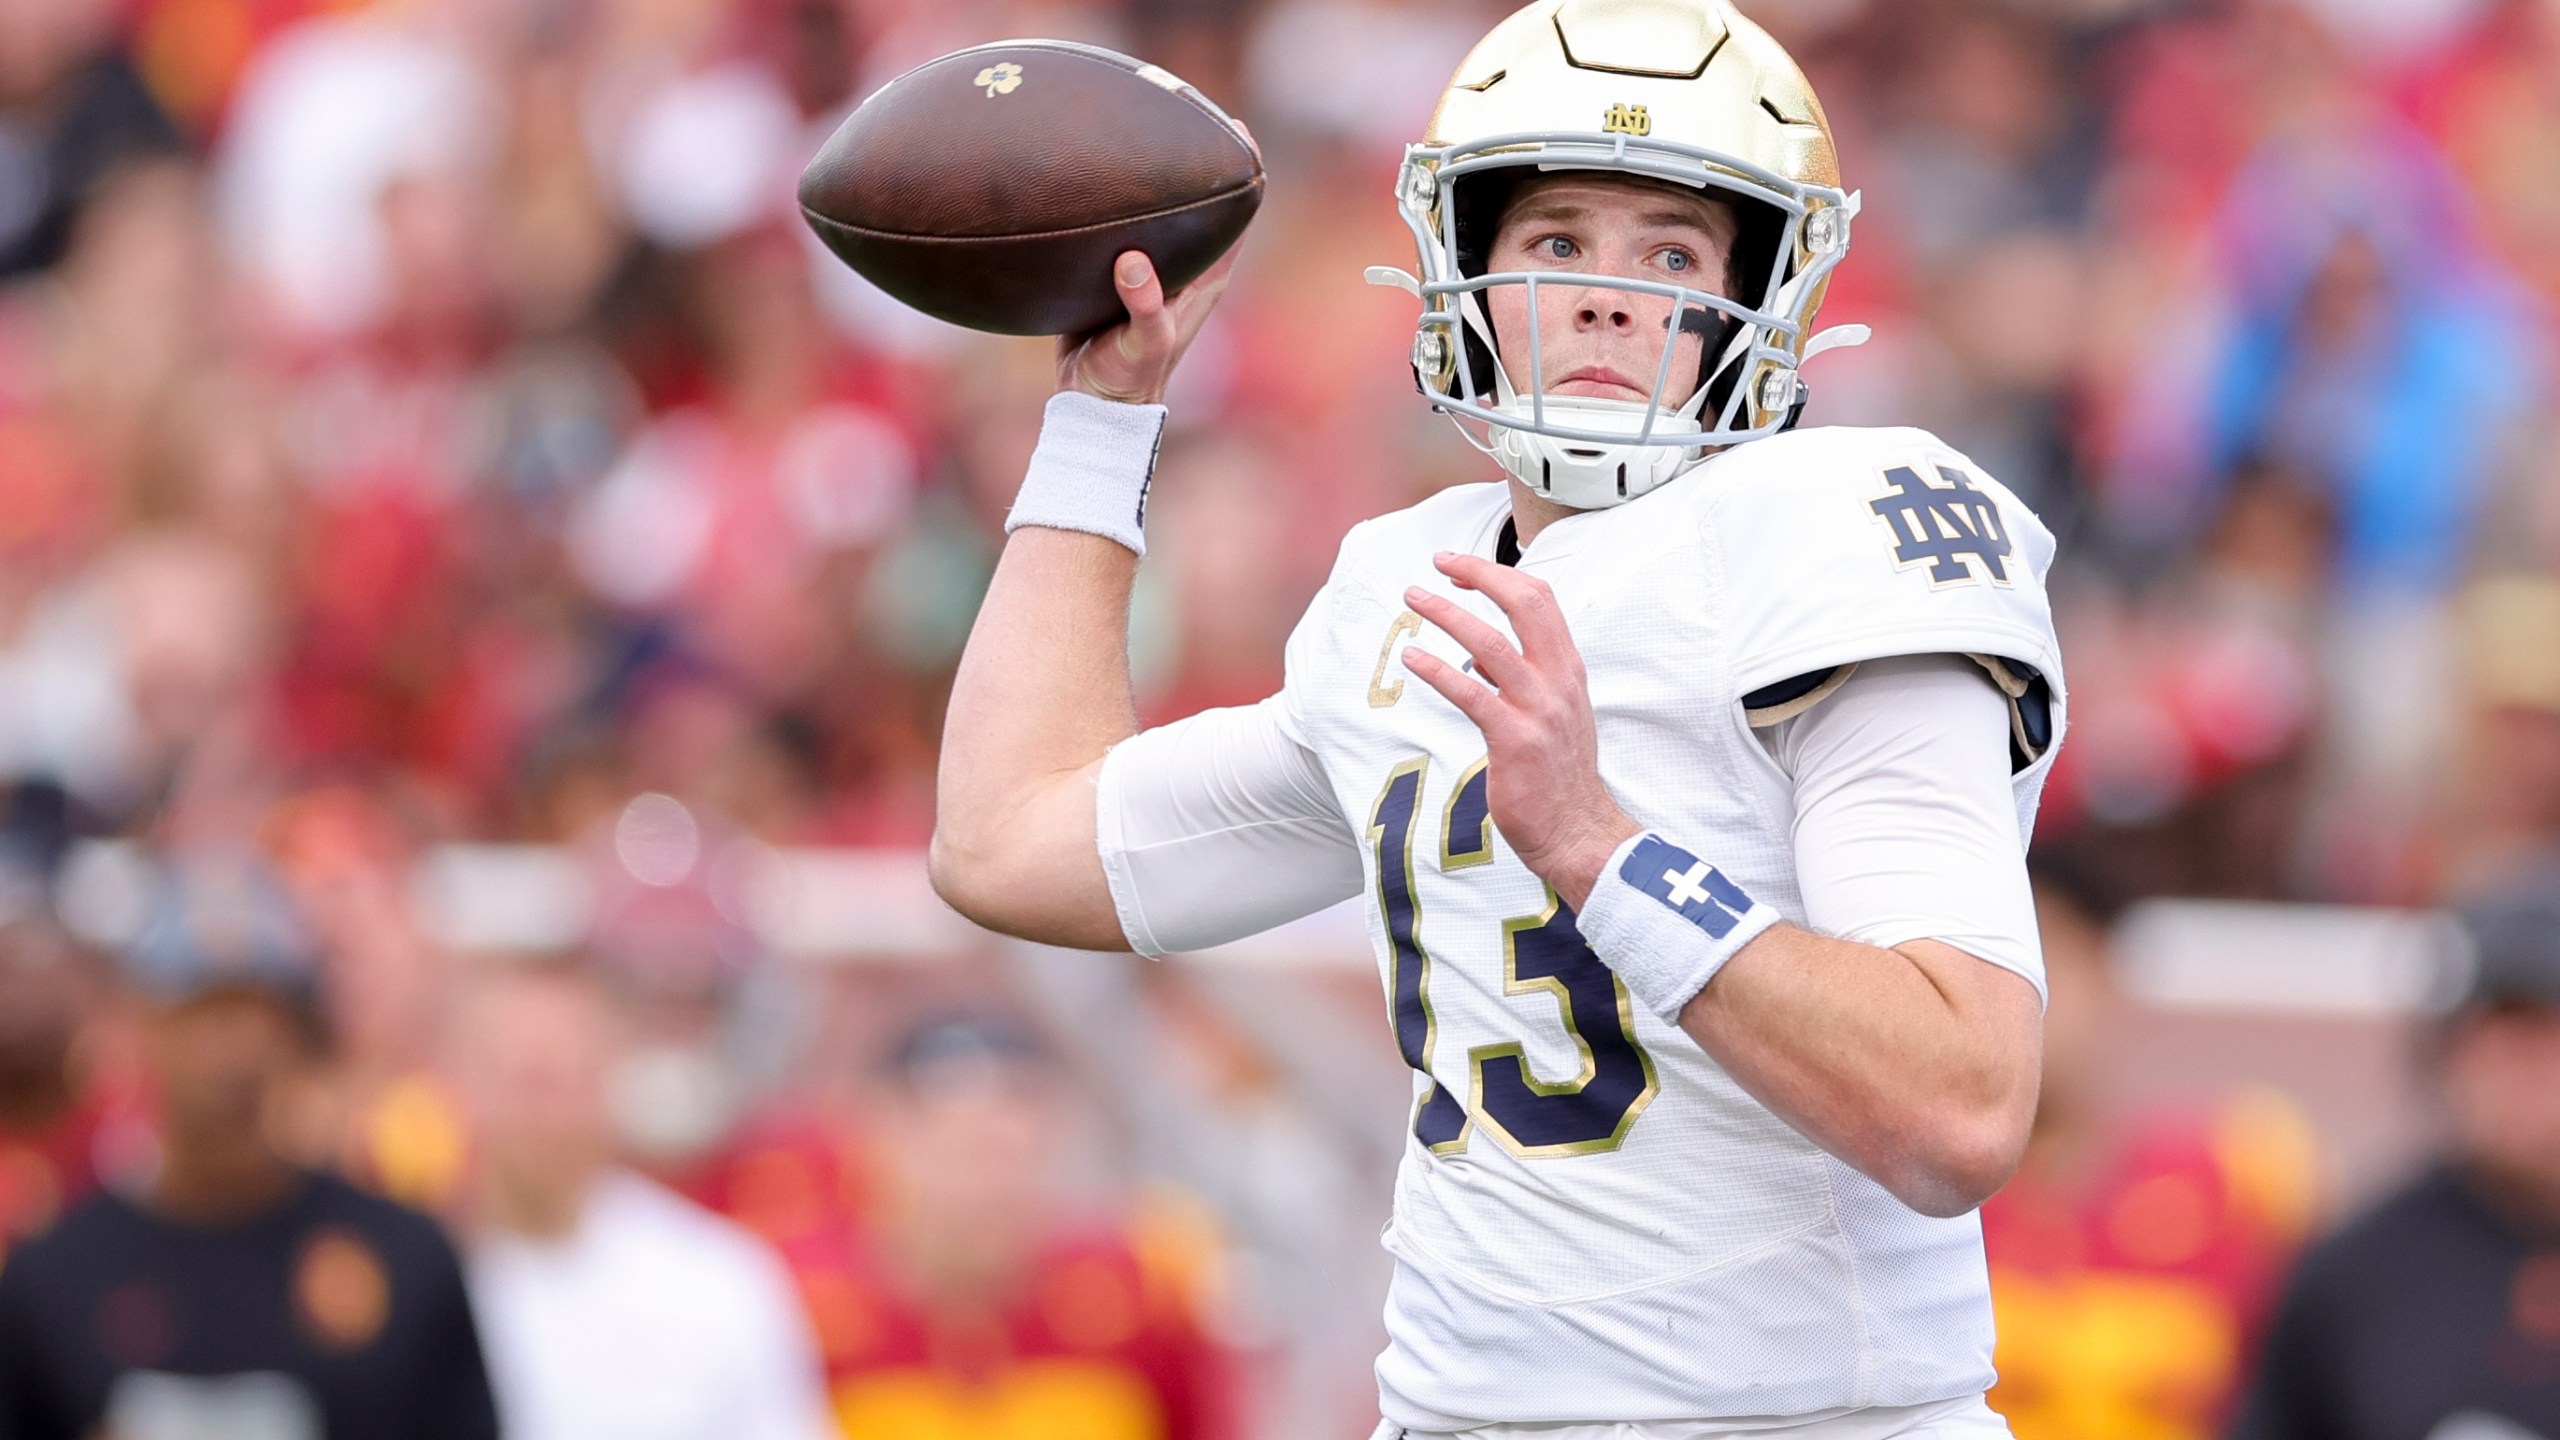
1693,321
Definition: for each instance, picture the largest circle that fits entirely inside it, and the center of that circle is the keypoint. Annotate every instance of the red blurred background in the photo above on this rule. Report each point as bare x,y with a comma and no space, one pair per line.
436,466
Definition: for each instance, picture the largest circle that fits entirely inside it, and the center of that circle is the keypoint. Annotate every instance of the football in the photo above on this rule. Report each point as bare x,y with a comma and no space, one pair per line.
994,187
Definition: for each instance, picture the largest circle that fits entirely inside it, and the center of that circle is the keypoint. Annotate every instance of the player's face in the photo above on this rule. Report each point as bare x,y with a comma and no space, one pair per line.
1594,340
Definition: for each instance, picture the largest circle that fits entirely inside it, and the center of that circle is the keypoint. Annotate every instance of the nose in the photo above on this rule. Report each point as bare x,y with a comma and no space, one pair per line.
1602,310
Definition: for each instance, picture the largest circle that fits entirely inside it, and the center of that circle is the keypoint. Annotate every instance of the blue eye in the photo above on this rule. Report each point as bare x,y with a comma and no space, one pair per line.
1679,260
1557,247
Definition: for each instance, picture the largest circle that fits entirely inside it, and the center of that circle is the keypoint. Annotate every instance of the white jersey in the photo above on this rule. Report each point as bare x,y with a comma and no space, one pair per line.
1592,1220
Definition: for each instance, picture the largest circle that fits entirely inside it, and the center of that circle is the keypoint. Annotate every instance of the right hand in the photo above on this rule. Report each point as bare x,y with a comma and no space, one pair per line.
1132,361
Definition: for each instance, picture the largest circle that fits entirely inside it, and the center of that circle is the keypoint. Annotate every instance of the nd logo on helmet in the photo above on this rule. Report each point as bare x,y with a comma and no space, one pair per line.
1628,120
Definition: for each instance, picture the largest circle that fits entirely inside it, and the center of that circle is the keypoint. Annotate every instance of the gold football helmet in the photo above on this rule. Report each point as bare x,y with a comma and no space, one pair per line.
1687,91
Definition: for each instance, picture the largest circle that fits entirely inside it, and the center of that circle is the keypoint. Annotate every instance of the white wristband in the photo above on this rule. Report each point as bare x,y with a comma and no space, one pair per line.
1092,468
1667,921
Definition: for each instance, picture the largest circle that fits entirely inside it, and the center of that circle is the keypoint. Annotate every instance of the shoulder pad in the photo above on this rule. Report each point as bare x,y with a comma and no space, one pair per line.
1839,545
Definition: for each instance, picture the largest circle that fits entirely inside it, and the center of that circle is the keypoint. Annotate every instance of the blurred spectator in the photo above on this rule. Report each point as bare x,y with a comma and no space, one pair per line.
71,111
468,439
612,1306
2507,801
710,1023
54,1118
707,155
1383,69
725,513
2134,1256
2200,709
238,1293
2363,342
2437,1314
331,117
2489,99
2360,345
986,1314
384,1114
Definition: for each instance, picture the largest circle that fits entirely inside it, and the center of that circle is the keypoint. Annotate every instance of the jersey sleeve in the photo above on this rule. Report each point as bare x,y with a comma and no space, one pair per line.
1219,826
1905,826
1839,546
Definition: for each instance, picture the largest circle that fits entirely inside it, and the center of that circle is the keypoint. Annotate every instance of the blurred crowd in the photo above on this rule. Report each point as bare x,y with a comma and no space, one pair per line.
427,422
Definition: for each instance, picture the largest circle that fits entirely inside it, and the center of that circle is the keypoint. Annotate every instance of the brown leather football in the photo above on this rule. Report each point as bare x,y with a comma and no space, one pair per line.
994,187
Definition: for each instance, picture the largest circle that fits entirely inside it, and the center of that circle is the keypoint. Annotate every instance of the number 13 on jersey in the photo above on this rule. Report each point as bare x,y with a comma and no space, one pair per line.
1590,1113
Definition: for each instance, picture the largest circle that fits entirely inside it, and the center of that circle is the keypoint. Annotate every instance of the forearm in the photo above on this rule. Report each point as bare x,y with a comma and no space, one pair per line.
1901,1061
1910,1047
1043,689
1042,692
1043,686
1904,1061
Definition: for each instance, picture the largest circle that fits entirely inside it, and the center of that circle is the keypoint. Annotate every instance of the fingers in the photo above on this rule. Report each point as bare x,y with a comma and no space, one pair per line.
1132,358
1134,276
1495,658
1474,699
1150,329
1535,617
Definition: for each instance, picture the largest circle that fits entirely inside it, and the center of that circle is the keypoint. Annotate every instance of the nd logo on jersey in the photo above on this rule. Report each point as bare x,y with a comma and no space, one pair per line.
1944,527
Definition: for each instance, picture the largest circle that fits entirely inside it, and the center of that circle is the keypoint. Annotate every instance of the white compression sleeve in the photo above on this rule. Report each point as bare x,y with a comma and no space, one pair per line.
1091,471
1906,826
1217,827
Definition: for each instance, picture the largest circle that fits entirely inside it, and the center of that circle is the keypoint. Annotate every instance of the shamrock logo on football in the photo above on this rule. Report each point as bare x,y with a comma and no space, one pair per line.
999,79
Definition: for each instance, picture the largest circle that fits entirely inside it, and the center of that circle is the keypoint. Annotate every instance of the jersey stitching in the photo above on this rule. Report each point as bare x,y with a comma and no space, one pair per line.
1867,1358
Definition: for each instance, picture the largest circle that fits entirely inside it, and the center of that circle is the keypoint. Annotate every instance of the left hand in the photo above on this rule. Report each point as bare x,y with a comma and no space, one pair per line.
1542,777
